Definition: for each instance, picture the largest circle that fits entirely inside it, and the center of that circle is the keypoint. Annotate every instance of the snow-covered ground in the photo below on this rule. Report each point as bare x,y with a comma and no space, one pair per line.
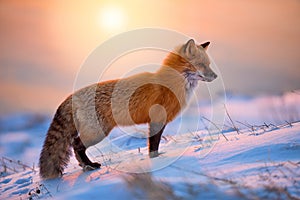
256,156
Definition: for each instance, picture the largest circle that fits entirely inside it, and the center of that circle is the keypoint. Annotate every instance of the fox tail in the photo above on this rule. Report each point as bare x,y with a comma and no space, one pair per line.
56,150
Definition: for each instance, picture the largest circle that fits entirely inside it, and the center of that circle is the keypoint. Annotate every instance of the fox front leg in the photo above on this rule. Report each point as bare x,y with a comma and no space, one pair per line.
155,131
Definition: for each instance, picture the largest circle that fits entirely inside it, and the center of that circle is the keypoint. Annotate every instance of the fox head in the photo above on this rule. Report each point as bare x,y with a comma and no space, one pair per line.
198,67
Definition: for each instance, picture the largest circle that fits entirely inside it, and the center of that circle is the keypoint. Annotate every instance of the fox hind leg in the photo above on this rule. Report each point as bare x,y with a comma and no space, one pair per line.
84,161
156,130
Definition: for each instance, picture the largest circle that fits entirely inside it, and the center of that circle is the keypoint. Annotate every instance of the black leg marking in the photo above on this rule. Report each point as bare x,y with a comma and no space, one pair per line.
156,130
84,161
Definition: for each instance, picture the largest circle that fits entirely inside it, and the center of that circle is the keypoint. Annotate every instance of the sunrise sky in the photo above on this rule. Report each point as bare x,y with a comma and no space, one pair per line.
255,44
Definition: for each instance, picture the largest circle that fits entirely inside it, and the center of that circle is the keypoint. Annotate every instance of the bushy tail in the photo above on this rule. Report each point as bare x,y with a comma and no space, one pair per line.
56,150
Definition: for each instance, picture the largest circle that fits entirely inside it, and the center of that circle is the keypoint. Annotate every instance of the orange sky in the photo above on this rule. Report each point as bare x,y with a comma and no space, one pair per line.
255,44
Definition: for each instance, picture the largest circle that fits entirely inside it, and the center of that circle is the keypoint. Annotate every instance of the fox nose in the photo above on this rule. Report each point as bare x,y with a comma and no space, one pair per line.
215,76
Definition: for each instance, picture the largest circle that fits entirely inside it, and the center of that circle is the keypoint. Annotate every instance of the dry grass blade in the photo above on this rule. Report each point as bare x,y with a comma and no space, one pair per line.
216,127
229,117
13,166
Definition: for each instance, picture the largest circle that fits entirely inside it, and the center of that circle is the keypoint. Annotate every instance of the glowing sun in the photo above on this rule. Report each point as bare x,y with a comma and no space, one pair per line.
112,18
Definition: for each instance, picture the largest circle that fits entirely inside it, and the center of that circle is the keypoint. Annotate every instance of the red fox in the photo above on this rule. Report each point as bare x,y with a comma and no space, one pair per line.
88,115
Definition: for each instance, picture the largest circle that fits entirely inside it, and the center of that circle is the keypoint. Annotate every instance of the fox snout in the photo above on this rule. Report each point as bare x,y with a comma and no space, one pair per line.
208,76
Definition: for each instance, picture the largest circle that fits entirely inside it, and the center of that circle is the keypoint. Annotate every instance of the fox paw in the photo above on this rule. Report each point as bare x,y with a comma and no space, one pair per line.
91,166
96,165
153,154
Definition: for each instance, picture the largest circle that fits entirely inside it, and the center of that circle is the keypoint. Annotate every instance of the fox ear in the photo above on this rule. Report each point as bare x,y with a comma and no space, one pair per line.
190,47
205,45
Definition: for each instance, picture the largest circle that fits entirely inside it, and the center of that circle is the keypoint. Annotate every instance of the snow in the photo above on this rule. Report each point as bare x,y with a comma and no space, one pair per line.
261,160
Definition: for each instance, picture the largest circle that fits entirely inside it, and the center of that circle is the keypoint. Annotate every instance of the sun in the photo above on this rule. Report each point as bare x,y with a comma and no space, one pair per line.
112,18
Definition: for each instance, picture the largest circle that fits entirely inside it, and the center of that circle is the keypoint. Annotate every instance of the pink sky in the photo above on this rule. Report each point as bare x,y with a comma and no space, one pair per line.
255,44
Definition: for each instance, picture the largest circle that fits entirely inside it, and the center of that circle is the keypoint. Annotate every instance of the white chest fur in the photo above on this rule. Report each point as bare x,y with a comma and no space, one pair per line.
191,82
